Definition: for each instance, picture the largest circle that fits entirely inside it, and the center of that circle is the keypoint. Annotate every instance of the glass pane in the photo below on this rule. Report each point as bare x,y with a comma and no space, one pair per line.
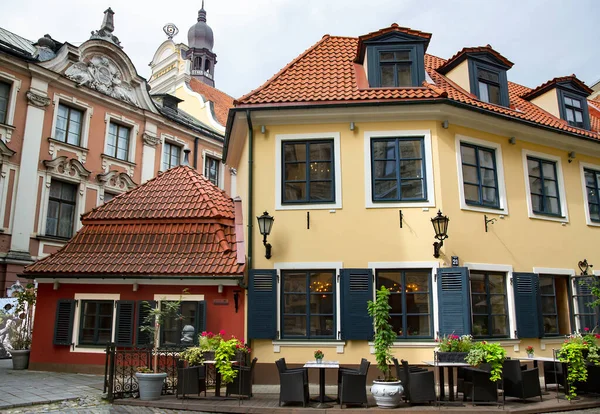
418,325
494,94
553,206
69,191
479,304
73,137
396,300
121,154
411,169
500,326
533,167
65,223
390,279
550,188
578,116
321,325
550,324
468,155
87,335
403,55
321,304
570,115
384,169
385,190
480,325
470,174
489,195
417,302
293,303
76,116
472,193
386,56
295,192
589,179
486,159
576,103
321,282
387,76
294,152
546,285
496,284
404,75
483,92
568,101
104,337
384,150
294,282
549,171
535,185
320,170
321,191
488,177
477,282
411,189
410,149
295,171
294,325
595,212
498,303
55,189
536,203
548,305
396,322
488,75
105,322
321,152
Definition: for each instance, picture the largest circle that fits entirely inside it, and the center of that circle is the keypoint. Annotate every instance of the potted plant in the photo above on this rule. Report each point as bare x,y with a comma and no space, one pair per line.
319,356
387,391
453,348
529,350
150,381
490,353
576,351
20,329
208,342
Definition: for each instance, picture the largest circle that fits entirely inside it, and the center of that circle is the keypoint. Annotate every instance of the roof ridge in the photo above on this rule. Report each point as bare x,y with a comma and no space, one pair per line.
216,89
284,69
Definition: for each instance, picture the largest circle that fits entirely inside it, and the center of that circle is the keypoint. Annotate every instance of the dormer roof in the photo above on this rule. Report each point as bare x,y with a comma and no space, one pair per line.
546,86
392,33
496,57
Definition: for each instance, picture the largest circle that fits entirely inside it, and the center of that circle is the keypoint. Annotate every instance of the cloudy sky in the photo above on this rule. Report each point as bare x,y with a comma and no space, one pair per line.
254,39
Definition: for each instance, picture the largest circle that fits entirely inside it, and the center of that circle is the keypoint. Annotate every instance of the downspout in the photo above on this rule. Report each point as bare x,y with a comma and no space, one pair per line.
250,189
196,141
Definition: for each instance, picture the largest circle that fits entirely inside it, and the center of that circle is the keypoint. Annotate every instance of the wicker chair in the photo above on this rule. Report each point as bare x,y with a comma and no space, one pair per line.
293,384
242,383
191,381
520,383
364,365
419,383
478,387
352,387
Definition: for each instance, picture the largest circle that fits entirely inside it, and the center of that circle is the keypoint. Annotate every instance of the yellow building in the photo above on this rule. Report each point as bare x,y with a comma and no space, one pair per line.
357,144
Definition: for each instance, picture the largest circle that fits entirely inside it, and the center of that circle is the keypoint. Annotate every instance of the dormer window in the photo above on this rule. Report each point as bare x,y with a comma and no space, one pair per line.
396,68
489,86
573,111
488,83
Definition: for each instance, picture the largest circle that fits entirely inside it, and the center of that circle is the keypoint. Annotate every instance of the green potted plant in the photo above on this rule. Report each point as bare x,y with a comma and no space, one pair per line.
453,348
577,351
150,381
387,391
490,353
21,326
529,350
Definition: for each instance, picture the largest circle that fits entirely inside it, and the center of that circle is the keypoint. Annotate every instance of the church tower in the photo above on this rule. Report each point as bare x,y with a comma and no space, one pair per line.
200,42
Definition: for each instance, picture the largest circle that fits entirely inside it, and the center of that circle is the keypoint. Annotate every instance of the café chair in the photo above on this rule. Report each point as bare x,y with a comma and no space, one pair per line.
553,374
352,388
191,381
242,383
520,383
478,387
419,385
363,367
293,384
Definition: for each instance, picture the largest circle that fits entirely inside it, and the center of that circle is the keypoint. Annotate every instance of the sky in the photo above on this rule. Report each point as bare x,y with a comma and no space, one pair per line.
255,39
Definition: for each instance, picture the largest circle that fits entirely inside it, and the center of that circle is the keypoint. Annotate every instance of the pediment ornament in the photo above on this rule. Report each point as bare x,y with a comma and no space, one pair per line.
116,180
101,74
69,167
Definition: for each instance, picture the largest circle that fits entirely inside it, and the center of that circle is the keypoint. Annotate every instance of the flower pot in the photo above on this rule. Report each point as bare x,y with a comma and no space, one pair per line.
452,356
20,358
150,385
387,394
319,360
530,354
209,355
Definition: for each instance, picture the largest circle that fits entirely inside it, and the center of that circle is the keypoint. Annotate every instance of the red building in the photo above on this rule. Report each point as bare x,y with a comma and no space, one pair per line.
177,231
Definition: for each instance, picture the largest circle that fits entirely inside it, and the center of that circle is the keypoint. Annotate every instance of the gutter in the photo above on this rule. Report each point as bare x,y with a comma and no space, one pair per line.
196,141
250,181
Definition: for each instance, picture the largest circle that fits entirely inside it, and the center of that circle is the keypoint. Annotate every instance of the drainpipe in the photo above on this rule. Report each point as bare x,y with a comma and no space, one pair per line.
196,141
250,189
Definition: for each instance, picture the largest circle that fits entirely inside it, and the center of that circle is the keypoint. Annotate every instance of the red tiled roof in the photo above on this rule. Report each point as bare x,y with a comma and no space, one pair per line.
180,192
222,102
175,224
480,49
548,85
326,74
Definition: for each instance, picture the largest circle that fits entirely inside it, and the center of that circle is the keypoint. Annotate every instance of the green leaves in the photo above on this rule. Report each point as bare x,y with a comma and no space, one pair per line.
491,353
384,332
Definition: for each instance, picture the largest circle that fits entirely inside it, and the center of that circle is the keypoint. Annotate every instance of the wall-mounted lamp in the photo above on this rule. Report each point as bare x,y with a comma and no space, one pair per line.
571,156
351,126
220,289
440,226
56,285
584,267
445,124
135,287
265,223
512,140
236,298
263,129
488,221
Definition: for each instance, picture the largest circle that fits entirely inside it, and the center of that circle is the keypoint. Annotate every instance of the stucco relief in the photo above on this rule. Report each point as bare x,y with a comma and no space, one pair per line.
103,75
39,100
116,180
68,167
150,139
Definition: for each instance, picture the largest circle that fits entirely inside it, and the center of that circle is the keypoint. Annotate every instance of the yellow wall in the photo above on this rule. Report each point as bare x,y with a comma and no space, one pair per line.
191,105
460,75
548,102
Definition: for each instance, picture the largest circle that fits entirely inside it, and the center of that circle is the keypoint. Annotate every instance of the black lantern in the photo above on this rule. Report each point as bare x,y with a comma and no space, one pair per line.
265,223
440,226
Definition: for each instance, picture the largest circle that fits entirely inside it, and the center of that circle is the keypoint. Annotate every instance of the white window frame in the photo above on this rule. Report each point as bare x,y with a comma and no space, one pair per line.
171,140
218,157
75,103
561,186
503,201
433,266
7,129
79,202
510,294
337,267
79,297
279,140
427,159
134,131
582,166
158,298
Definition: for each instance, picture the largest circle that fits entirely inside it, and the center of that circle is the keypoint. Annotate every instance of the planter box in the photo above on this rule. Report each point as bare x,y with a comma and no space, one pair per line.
451,356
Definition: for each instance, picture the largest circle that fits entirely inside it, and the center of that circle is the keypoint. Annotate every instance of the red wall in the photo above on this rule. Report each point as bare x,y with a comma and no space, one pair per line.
44,352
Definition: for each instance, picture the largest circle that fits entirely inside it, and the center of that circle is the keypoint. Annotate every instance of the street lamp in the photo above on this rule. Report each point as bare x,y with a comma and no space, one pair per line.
265,223
440,226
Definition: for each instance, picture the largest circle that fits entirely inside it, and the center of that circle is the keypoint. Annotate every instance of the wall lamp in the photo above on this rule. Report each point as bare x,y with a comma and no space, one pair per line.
56,285
445,124
571,156
352,126
584,266
135,286
440,226
263,129
265,223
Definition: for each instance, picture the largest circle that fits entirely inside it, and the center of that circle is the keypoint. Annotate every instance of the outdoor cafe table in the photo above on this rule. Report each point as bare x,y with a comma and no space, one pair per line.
217,377
323,365
450,366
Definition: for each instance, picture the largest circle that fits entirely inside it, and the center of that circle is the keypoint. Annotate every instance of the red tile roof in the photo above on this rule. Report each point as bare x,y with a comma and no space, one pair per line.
221,101
177,224
463,53
326,74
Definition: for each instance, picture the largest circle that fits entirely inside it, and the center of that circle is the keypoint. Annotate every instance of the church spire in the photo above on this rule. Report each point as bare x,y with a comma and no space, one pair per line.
202,14
200,42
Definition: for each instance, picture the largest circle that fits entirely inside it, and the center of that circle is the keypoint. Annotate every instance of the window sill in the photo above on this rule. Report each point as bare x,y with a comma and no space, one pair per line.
339,345
115,159
88,349
423,343
559,219
6,131
400,204
53,239
558,340
483,209
309,206
66,144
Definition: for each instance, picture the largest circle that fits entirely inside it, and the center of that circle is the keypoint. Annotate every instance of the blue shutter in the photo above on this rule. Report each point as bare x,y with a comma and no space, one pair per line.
583,289
357,289
124,325
143,309
201,317
63,325
454,300
262,304
528,305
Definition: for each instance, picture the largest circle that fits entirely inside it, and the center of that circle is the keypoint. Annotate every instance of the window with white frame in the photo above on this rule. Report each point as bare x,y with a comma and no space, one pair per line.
489,304
481,175
4,100
96,322
62,203
171,156
591,191
211,169
545,187
117,145
69,125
